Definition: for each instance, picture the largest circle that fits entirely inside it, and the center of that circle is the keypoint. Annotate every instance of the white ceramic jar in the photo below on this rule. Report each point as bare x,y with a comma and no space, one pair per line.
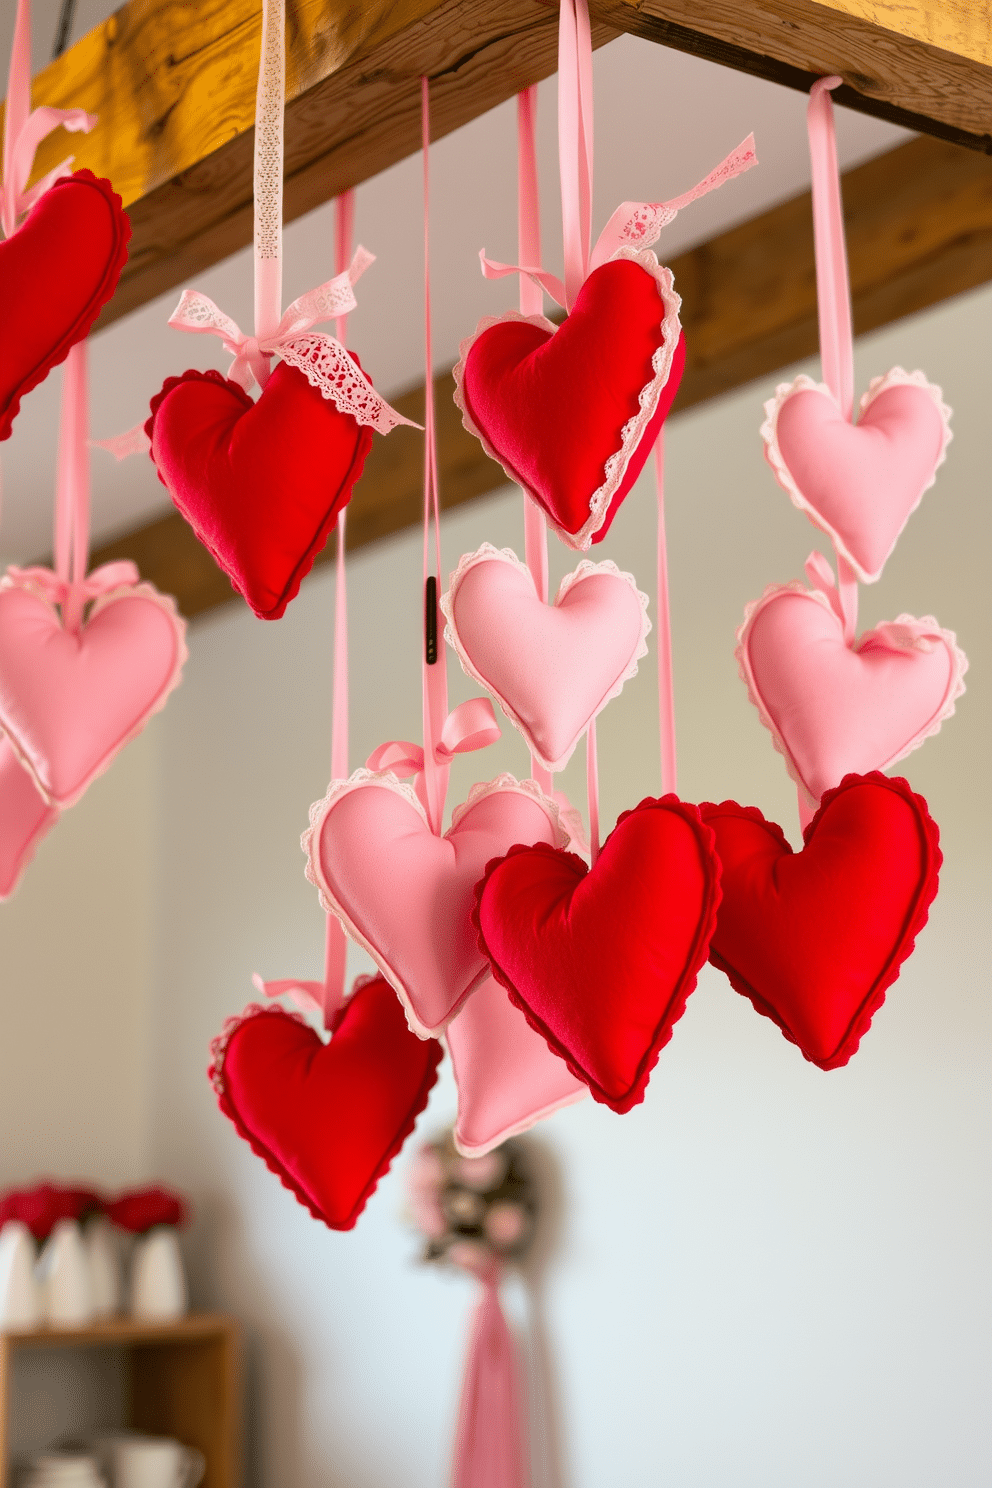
158,1281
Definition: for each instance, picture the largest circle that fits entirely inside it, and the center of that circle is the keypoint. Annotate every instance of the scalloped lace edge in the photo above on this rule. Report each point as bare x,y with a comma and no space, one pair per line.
310,843
633,430
488,554
955,683
230,1026
895,377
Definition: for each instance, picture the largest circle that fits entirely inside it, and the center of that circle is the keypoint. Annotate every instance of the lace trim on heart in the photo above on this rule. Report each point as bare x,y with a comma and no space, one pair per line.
218,1045
164,602
896,377
487,554
633,431
927,626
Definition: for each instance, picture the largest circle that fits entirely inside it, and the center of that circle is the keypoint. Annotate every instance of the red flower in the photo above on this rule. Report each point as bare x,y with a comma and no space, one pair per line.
140,1209
41,1207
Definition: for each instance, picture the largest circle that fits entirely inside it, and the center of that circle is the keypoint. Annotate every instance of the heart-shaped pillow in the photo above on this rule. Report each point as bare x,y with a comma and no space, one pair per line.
327,1119
602,961
859,483
260,483
572,412
552,668
69,703
56,274
814,939
507,1077
405,895
834,709
25,817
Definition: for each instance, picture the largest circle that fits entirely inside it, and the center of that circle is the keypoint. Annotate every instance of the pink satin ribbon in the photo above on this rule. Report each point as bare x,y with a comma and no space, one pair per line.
490,1440
24,131
666,683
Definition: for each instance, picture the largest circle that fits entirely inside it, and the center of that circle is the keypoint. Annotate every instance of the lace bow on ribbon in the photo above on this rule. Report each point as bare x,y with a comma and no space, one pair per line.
321,358
72,598
905,634
472,725
15,199
633,224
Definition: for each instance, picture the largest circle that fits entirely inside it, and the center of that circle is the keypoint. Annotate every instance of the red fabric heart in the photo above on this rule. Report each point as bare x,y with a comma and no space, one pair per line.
814,939
56,274
572,412
602,961
260,483
328,1119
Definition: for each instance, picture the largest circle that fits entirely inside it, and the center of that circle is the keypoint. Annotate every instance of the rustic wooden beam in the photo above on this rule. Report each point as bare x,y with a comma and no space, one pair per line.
919,228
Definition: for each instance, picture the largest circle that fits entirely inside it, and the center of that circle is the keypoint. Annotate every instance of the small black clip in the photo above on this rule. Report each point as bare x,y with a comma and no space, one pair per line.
430,620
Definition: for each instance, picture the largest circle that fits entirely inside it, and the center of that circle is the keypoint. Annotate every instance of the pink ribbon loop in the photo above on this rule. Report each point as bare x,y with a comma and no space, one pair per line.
122,574
470,726
133,441
550,283
842,595
308,996
320,357
903,635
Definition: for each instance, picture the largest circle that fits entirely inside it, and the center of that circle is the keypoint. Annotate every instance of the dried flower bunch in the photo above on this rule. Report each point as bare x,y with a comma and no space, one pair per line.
473,1210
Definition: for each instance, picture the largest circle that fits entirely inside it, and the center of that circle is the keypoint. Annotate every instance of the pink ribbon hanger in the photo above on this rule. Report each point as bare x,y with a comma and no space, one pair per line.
666,681
490,1445
24,131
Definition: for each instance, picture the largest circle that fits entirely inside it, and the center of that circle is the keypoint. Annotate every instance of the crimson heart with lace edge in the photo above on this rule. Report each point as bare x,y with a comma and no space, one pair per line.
56,274
571,412
814,939
327,1119
260,483
601,961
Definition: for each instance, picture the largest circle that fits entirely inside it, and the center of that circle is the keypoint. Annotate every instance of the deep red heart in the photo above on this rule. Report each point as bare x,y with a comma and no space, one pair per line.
328,1119
260,483
602,961
551,405
815,938
56,274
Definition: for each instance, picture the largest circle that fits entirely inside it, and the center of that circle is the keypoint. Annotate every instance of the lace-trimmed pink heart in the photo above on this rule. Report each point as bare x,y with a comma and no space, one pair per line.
507,1077
552,668
69,703
858,483
405,895
25,818
834,710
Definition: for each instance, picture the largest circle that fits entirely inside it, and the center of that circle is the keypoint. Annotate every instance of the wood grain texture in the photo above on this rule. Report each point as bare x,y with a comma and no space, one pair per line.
919,228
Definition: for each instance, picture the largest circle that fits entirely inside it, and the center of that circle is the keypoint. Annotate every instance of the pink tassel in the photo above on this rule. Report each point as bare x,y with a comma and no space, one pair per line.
489,1446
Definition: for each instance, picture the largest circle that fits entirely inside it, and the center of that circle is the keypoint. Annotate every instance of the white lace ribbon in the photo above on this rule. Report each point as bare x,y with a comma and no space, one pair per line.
320,357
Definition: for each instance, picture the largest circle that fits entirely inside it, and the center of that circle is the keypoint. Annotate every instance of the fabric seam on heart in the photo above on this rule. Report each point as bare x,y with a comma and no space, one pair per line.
489,554
895,377
955,684
633,430
164,602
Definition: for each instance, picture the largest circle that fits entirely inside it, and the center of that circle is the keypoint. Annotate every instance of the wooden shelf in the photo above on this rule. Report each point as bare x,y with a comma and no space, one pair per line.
183,1380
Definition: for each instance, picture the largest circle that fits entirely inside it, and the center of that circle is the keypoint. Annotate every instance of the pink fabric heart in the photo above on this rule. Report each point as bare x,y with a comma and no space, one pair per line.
25,818
552,668
858,483
406,895
507,1077
835,710
70,702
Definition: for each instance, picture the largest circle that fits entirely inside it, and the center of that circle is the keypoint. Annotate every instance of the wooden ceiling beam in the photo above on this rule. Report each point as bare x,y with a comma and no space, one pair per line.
919,229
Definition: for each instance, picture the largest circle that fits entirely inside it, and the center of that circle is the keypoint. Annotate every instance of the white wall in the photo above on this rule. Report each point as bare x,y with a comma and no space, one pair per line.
764,1275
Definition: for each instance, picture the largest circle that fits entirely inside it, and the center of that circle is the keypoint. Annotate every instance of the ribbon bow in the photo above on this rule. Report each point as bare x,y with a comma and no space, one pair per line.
16,200
905,634
72,598
472,725
320,357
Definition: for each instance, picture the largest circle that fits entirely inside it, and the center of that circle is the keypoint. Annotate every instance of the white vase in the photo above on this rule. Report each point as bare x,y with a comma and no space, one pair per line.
20,1303
103,1261
65,1277
158,1281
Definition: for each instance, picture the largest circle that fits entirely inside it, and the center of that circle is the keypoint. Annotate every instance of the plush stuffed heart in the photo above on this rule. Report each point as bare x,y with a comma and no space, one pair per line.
261,484
69,703
406,895
815,938
25,817
552,668
572,412
859,483
507,1077
56,273
602,961
833,709
327,1119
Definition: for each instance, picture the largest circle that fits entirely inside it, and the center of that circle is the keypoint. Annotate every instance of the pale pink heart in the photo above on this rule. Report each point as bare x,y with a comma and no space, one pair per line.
70,702
406,895
551,668
507,1077
859,483
833,710
25,818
